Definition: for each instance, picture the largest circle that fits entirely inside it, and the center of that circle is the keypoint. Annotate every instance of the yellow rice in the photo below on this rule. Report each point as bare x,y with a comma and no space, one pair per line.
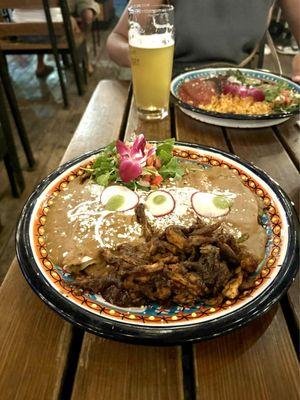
226,103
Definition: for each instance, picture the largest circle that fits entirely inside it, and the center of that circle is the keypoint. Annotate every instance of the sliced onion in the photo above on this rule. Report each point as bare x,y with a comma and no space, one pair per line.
257,94
231,88
244,91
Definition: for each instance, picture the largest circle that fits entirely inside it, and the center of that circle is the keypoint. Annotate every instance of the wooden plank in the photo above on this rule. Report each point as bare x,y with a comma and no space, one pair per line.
29,28
294,299
97,127
34,341
261,147
255,362
117,371
124,371
9,46
289,135
222,366
27,4
153,130
193,131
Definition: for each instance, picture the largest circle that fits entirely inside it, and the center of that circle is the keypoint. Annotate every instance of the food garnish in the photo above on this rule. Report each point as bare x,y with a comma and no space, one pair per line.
118,198
160,203
137,164
210,205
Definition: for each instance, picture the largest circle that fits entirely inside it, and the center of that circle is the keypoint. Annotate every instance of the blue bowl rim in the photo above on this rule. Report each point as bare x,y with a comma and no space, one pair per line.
216,114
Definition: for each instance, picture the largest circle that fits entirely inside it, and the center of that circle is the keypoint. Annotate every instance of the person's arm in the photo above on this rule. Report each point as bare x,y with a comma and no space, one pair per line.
117,42
291,10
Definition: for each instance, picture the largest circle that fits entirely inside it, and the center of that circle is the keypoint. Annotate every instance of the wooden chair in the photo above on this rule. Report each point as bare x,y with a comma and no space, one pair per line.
62,40
96,35
11,98
8,152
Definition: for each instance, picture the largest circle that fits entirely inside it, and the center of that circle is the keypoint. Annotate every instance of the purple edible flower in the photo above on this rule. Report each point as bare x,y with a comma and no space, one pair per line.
133,157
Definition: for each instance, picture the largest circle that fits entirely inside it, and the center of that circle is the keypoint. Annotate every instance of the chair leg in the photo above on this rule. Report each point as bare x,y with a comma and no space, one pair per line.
13,156
98,36
77,73
11,172
53,41
70,38
94,40
261,53
61,80
84,69
65,59
4,74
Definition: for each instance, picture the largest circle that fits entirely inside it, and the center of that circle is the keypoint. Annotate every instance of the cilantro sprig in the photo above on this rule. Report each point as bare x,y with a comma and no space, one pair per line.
170,165
105,169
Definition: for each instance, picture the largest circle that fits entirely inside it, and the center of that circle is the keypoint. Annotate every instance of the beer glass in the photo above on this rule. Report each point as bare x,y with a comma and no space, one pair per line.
151,46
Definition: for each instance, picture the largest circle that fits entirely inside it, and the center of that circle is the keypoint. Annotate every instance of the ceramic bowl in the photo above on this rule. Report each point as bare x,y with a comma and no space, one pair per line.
226,119
154,324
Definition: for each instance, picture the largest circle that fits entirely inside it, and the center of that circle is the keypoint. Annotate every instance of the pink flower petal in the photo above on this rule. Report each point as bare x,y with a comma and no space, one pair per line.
129,170
151,151
122,148
139,144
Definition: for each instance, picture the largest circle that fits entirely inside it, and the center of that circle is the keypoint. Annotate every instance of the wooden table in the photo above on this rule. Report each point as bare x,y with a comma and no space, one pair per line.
44,357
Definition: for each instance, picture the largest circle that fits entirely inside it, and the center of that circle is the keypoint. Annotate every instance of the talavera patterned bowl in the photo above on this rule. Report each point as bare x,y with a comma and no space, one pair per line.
154,324
227,119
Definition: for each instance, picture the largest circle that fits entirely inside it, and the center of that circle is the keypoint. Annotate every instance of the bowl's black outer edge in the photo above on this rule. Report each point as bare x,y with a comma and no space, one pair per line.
240,117
153,335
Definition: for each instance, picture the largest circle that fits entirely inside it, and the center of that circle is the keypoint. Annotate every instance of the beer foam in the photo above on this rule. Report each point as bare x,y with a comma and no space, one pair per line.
155,41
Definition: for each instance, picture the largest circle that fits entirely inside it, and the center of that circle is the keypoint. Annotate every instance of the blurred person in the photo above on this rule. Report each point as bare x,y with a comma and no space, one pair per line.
211,31
85,9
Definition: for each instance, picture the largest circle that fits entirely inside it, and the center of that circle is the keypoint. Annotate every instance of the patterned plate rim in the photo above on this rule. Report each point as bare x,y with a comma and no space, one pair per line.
158,333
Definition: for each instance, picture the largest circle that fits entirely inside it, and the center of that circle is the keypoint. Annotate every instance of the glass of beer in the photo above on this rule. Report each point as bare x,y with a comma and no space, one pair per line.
151,46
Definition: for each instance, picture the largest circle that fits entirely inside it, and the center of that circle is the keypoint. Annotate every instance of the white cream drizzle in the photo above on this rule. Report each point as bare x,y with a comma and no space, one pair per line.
90,214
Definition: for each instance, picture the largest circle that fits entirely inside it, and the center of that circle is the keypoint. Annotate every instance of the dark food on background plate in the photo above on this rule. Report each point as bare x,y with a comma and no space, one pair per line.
149,227
235,93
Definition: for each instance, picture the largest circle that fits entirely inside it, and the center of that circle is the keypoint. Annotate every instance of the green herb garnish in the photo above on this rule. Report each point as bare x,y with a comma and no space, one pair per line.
105,168
172,169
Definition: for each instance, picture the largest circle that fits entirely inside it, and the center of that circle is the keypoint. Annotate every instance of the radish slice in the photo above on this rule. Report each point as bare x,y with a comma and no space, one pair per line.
210,205
119,198
160,203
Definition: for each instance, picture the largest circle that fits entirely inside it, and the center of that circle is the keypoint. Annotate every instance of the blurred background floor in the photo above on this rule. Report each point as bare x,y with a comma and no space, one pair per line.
50,127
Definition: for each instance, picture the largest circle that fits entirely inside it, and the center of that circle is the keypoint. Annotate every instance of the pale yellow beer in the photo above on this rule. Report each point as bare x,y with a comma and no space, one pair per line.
151,75
151,49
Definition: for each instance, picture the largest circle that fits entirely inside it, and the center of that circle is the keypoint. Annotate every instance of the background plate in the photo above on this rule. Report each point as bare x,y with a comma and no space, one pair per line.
226,119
